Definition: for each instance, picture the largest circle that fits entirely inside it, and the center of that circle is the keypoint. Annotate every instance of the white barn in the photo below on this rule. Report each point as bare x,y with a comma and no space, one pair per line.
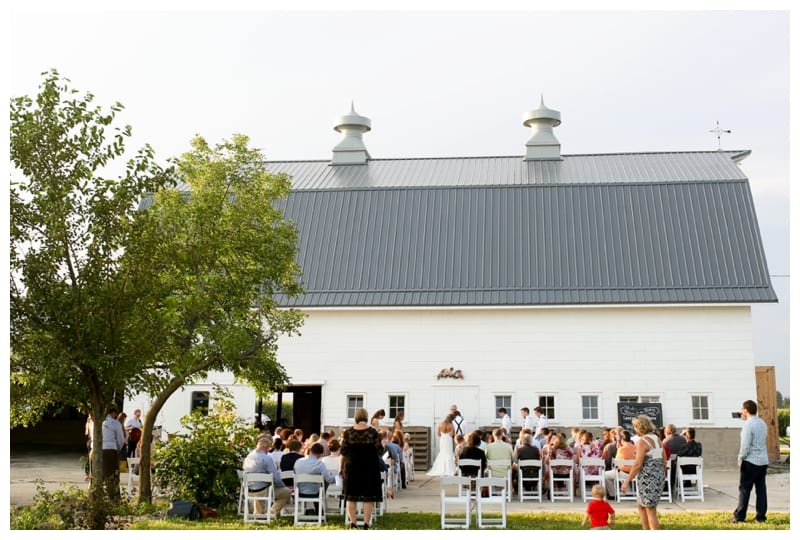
572,282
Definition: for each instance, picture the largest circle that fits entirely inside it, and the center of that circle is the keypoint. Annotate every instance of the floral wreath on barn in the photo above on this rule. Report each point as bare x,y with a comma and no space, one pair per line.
450,373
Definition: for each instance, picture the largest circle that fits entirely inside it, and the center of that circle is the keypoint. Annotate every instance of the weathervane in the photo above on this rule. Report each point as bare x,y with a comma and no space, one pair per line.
718,132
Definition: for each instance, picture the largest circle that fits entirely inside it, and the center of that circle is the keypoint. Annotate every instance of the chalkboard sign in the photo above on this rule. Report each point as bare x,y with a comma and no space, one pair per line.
626,412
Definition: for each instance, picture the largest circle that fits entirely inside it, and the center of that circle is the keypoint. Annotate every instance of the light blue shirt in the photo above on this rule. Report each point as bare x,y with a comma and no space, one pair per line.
312,465
753,446
259,461
113,436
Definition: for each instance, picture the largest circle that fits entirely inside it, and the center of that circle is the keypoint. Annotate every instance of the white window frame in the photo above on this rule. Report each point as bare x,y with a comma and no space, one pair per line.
507,407
705,395
405,404
551,417
348,416
629,398
584,419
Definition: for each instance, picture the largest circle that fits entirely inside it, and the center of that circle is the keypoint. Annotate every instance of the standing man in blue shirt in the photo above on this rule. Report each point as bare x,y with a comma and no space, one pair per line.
753,461
113,440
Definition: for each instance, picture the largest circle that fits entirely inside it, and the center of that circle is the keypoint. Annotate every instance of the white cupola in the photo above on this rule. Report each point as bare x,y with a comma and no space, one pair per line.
542,144
351,149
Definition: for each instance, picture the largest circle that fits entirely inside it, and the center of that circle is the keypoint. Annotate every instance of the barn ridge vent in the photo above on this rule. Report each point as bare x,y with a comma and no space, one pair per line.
351,149
543,143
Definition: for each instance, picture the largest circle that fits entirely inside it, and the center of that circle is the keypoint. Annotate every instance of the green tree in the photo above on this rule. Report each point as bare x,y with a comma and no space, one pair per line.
213,256
74,335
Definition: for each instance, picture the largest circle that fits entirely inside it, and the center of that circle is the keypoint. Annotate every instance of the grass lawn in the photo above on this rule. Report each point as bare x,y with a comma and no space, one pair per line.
516,521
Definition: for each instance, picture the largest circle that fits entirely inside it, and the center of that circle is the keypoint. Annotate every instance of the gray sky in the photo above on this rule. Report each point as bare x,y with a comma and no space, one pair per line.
444,83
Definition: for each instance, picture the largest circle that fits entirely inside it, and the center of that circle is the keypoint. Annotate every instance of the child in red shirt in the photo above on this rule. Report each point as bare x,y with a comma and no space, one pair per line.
598,510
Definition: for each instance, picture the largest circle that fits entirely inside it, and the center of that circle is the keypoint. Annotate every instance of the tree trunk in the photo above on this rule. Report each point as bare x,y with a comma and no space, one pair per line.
145,480
98,502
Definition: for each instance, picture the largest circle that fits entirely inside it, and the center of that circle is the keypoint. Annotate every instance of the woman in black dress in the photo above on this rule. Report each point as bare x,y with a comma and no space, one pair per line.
361,475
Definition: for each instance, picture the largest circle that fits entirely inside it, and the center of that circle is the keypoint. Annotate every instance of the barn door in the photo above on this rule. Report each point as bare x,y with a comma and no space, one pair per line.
465,397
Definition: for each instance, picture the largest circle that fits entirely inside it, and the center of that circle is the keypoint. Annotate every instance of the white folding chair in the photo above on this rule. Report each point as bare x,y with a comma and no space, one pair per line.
497,495
267,496
619,478
694,489
242,489
557,492
455,491
592,471
533,491
300,500
666,493
468,463
380,508
289,508
504,464
334,494
133,479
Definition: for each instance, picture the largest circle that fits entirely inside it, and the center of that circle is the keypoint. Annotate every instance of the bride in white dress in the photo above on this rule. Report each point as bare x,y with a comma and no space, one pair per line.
444,464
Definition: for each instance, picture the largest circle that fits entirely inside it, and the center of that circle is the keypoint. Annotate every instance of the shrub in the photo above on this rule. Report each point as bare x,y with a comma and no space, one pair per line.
783,421
200,464
58,510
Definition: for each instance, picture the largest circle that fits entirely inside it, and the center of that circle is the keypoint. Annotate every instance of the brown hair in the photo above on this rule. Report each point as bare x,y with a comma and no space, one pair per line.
750,406
361,415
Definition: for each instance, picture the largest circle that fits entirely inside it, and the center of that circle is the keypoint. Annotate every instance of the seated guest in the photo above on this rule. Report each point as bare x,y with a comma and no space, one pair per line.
311,464
692,448
473,451
587,448
289,458
399,441
312,439
672,440
522,433
277,451
501,449
528,450
544,441
461,444
624,451
331,461
560,450
258,461
610,449
324,440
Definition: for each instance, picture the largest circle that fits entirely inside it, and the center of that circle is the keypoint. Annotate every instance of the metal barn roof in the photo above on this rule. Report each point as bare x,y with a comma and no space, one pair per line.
530,245
488,171
673,227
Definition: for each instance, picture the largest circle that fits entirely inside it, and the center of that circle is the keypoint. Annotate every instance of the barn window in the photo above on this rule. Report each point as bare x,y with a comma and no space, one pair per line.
200,401
639,399
396,404
501,401
548,405
700,408
354,401
590,407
